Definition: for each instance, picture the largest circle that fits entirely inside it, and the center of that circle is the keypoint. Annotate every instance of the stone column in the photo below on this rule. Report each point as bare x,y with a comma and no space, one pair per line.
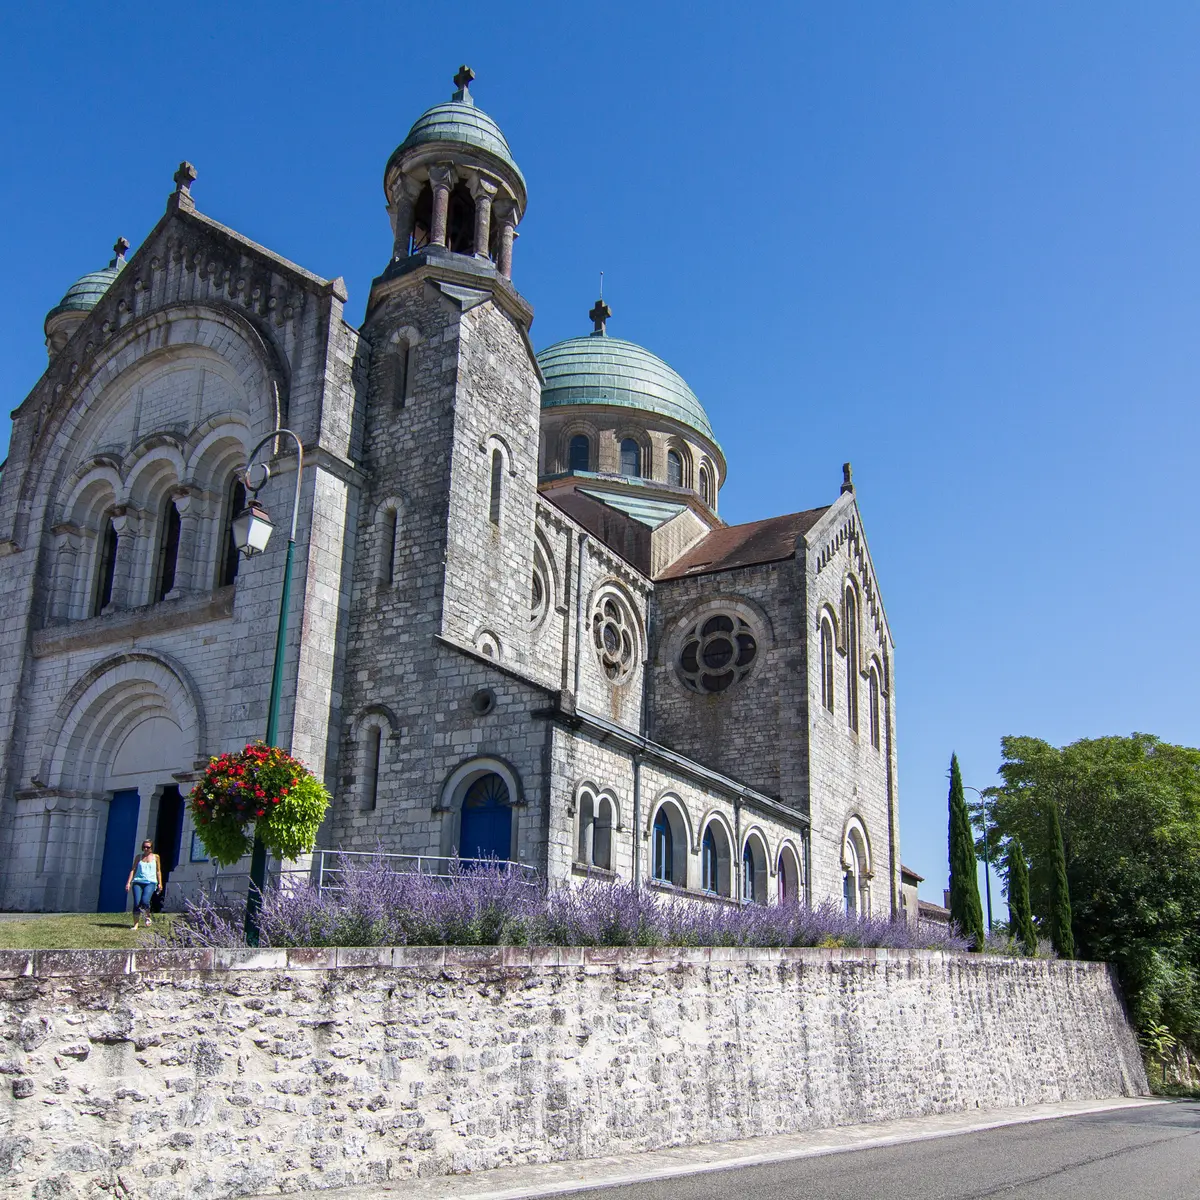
506,212
441,179
188,568
66,557
401,209
484,190
125,523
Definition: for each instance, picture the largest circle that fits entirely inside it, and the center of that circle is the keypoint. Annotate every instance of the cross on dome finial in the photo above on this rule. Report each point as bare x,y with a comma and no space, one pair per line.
599,317
463,82
119,248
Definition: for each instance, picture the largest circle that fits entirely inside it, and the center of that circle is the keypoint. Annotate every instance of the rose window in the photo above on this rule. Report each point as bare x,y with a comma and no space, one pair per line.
615,637
717,653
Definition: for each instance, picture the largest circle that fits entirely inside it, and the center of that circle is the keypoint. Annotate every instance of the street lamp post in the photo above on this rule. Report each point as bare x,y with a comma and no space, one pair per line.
987,855
251,531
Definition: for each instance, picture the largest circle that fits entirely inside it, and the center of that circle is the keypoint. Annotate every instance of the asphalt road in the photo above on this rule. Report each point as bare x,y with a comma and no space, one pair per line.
1150,1153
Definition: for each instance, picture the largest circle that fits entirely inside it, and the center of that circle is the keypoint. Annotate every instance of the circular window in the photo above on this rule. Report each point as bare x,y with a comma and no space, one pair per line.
614,634
718,651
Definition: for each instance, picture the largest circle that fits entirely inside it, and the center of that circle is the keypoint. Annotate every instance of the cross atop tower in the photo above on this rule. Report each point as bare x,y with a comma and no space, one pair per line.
119,248
463,82
599,317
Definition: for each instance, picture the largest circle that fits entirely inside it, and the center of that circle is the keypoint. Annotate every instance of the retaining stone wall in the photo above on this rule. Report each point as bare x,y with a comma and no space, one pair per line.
226,1073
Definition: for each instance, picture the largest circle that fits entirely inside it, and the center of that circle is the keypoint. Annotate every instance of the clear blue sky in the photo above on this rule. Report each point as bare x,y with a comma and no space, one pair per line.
953,243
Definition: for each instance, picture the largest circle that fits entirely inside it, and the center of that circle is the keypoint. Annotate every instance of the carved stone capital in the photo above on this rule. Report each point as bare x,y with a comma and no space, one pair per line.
443,176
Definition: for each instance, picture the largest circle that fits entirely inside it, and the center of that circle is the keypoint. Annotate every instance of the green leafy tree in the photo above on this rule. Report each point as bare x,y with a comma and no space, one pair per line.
965,909
1020,916
1129,814
1061,937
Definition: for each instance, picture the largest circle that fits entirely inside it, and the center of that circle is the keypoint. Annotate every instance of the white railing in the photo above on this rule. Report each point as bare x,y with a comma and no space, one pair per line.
327,866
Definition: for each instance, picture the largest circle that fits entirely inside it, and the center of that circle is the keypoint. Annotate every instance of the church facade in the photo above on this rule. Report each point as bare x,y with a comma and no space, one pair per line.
518,628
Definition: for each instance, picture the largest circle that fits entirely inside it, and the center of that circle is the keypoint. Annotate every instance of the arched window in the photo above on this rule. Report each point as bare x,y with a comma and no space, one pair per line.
789,877
749,877
709,862
631,457
399,364
663,858
580,453
706,484
602,837
674,468
230,558
856,867
387,546
372,753
168,550
852,659
827,663
874,714
497,484
460,220
106,567
587,828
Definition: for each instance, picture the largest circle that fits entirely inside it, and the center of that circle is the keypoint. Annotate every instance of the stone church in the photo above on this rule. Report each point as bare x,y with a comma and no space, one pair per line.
518,628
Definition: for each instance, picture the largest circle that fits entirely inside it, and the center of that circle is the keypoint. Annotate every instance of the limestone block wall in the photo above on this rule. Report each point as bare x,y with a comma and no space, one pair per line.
849,776
176,1074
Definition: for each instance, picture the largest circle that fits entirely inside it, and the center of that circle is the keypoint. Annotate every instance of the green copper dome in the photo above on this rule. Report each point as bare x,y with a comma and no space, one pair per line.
597,369
85,293
459,120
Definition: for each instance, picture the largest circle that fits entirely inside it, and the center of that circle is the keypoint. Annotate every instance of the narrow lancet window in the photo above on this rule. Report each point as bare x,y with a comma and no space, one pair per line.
106,567
168,551
497,484
852,659
827,665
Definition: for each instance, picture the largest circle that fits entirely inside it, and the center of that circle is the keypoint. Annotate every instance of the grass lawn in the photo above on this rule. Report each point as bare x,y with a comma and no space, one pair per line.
78,931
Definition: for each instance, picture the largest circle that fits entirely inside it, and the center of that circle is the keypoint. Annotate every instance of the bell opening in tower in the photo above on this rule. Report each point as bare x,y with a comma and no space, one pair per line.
460,220
422,219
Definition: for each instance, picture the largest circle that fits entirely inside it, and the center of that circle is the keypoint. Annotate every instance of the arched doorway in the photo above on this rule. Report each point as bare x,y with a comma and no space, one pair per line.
485,831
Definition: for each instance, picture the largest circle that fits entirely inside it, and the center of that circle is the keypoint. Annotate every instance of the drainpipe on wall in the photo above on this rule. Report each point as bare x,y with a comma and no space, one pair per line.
891,798
637,819
737,849
579,611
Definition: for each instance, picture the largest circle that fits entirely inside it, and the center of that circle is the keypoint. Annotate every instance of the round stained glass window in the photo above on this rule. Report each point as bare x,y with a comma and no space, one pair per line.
718,651
614,634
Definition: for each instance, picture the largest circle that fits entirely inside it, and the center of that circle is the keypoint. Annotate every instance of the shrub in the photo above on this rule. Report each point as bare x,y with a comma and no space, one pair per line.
373,905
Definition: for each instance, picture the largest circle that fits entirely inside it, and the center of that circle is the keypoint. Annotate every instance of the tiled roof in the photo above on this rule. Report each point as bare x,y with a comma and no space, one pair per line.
732,546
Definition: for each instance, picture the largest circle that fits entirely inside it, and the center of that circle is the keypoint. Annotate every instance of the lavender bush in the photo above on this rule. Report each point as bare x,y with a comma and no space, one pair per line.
375,906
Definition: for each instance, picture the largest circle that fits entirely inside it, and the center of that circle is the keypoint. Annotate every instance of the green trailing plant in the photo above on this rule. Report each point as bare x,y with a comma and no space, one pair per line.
1061,935
1020,915
965,908
261,789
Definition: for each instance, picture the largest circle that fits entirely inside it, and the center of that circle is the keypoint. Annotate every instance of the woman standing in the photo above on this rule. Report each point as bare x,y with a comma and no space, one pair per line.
145,878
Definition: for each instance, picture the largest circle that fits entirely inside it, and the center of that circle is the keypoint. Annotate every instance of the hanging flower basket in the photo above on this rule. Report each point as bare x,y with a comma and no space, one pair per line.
260,789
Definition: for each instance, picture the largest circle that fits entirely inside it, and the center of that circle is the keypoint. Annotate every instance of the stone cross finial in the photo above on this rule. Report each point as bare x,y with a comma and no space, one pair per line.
463,82
847,482
184,178
599,317
119,248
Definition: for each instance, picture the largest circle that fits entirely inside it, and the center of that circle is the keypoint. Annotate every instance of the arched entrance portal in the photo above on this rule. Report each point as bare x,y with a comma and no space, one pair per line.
486,828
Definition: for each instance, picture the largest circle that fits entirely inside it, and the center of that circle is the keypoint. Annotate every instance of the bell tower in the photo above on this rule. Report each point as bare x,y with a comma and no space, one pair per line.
449,432
452,185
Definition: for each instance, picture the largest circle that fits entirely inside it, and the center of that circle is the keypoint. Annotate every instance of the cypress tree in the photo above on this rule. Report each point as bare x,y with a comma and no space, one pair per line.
965,908
1020,918
1061,936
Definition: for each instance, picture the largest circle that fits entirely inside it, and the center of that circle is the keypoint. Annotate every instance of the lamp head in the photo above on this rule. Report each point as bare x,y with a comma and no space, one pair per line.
252,528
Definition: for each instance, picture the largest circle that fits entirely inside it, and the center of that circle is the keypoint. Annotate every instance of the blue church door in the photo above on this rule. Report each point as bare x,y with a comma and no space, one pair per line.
486,830
119,839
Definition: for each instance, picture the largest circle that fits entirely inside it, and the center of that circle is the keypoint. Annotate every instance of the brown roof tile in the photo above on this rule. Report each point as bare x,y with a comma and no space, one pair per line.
732,546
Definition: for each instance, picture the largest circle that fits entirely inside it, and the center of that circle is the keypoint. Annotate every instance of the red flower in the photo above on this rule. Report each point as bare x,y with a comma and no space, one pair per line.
260,812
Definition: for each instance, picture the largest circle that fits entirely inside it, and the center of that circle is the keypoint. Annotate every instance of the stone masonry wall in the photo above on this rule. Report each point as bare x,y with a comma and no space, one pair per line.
227,1073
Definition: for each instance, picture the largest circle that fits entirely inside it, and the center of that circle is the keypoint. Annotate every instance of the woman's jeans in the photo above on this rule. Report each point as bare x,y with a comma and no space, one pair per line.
141,895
